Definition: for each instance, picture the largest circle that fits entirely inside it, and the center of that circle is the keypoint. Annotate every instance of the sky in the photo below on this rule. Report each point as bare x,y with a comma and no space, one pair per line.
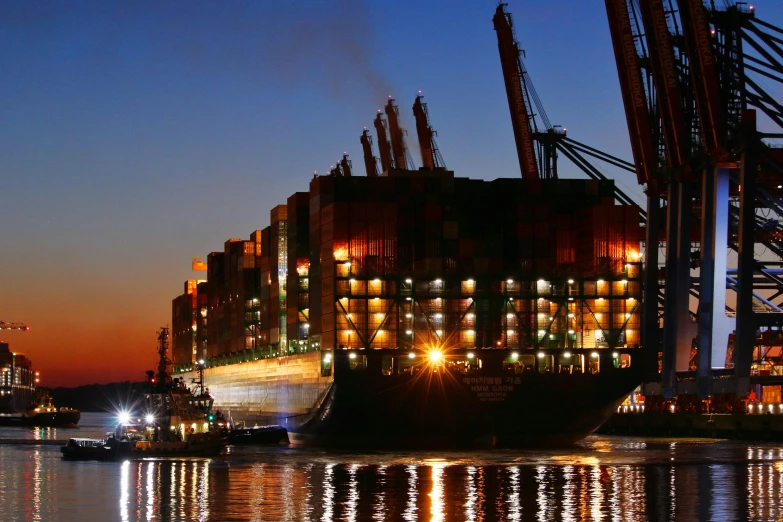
138,134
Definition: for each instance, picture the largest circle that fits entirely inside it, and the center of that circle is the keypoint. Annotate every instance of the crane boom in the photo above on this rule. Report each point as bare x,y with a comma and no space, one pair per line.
13,326
698,43
632,89
370,161
345,163
399,150
667,85
520,116
430,155
384,147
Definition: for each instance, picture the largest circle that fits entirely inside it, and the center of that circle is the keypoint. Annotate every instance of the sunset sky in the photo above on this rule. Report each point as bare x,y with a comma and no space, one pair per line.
136,135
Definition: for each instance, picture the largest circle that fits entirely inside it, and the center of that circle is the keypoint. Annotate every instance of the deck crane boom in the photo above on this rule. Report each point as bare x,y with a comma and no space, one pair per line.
370,161
402,159
633,93
13,326
384,147
518,103
667,86
430,155
704,77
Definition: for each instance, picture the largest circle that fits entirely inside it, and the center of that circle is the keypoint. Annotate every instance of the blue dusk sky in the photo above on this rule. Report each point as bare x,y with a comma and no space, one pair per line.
138,134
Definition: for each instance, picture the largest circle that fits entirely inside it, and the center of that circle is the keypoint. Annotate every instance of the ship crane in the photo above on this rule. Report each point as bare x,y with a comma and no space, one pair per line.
13,326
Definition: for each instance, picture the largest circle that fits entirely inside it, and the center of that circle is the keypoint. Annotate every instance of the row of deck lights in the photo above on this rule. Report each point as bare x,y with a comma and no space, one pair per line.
472,355
764,408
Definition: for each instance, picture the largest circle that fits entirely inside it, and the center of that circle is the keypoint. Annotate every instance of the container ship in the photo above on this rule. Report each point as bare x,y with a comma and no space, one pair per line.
413,307
421,309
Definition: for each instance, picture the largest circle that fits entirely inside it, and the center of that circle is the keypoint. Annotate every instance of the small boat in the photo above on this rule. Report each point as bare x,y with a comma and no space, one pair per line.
177,422
93,449
130,446
43,413
273,434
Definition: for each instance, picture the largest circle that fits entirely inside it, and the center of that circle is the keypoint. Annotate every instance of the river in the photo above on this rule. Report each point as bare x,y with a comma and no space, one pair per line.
604,478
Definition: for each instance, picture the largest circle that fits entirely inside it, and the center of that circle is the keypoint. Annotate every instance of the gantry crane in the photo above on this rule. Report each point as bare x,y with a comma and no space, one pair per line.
13,326
690,98
538,142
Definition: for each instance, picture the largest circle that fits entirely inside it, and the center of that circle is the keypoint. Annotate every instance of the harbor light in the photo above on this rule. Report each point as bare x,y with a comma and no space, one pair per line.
411,355
435,356
570,281
514,355
352,355
327,357
541,355
615,355
149,418
408,281
594,355
124,417
471,355
567,355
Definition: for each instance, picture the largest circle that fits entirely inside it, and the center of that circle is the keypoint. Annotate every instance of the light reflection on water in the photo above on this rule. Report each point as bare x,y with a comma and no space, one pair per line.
606,479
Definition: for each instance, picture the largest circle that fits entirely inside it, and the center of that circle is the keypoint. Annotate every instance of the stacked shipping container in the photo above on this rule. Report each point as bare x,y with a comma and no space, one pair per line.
421,259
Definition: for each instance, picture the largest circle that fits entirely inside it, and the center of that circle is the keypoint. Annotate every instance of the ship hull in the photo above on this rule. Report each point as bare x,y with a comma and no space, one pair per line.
442,411
438,408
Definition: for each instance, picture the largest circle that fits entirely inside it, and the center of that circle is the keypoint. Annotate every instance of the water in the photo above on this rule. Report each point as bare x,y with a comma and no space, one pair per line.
605,478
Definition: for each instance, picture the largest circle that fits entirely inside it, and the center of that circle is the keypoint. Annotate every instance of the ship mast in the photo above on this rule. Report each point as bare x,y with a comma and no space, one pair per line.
163,362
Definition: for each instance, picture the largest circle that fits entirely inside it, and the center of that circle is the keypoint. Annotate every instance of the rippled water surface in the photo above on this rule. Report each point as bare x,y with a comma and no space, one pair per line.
605,478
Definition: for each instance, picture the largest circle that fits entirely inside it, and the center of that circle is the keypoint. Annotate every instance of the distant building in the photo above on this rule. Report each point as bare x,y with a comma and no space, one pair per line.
17,380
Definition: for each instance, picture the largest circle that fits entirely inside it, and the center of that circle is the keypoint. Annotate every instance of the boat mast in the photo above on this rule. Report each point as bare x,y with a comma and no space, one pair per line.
163,362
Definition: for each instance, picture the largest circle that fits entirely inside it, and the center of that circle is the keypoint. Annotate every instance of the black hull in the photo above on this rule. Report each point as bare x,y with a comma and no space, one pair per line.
258,435
444,410
68,419
125,451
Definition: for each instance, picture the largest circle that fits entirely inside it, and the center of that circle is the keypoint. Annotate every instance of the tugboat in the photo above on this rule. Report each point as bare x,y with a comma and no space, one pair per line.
177,422
43,413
